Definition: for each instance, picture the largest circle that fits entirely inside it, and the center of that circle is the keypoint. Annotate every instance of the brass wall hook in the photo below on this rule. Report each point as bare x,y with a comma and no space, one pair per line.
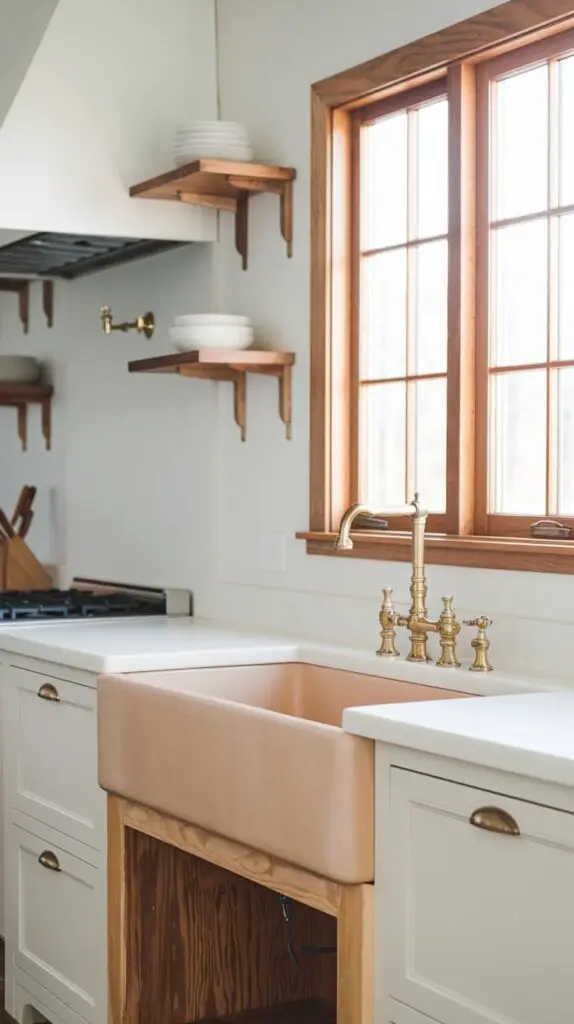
142,324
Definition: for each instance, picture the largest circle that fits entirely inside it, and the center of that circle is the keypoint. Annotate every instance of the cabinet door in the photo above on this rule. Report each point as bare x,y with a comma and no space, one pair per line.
481,923
57,903
51,754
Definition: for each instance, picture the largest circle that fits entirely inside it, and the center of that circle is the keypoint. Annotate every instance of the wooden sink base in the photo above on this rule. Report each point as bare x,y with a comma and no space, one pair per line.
196,931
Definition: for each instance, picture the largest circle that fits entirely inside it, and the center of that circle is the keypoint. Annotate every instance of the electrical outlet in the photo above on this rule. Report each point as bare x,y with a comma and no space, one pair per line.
272,552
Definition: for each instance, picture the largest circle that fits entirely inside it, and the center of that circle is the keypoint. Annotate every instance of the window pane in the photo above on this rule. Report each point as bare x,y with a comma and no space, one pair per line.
429,399
431,292
382,445
566,133
517,484
520,142
566,289
519,295
432,170
565,420
384,177
383,328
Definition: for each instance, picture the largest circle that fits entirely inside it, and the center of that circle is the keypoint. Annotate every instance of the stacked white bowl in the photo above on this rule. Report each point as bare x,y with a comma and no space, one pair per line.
196,331
225,140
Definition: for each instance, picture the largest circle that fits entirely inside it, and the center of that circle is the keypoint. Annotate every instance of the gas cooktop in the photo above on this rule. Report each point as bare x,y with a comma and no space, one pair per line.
91,599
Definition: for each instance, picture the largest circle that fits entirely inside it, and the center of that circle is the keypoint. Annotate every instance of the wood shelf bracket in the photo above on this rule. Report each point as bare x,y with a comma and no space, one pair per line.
48,301
19,397
284,375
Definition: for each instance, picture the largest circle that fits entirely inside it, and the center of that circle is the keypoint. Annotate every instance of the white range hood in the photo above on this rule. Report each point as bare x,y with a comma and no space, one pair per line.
89,97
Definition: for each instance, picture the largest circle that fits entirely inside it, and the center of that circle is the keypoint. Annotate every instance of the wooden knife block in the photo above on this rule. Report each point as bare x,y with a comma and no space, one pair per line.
20,569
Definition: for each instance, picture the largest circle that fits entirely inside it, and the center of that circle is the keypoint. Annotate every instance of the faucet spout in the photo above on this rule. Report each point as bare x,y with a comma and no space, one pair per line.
344,542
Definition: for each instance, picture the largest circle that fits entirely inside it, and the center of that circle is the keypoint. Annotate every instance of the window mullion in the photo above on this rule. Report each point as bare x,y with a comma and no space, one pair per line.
553,264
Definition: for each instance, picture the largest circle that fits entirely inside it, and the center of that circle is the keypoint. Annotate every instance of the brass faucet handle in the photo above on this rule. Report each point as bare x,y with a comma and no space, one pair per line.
388,620
480,644
448,630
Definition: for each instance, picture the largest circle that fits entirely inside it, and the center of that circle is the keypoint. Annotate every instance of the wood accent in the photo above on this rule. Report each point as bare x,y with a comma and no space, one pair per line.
19,567
258,867
230,365
355,955
21,288
461,300
20,396
459,52
117,936
196,931
308,1011
473,552
321,390
216,941
226,185
48,301
499,29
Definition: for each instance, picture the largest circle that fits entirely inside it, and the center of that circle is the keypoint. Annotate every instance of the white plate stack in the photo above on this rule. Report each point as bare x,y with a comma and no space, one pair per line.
224,140
196,331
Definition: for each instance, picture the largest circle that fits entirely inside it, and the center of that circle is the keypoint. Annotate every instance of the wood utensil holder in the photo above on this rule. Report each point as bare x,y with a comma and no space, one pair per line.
20,569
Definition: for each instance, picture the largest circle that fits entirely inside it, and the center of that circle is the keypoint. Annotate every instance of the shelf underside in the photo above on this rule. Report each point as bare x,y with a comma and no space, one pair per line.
23,394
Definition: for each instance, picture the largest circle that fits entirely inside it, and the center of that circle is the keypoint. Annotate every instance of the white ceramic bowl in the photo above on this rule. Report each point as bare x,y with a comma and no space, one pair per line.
210,133
210,126
190,338
19,370
221,152
210,320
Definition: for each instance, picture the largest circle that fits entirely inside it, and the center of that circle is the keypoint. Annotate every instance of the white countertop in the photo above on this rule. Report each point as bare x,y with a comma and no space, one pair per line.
527,734
159,642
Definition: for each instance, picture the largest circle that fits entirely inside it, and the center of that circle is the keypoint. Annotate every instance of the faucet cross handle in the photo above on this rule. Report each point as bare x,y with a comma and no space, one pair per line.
388,621
480,644
448,630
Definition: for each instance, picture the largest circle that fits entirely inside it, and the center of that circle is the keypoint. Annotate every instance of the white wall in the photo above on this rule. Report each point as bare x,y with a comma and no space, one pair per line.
159,487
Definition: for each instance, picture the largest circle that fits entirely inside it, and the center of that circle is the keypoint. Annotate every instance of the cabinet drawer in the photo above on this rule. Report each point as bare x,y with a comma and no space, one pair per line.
58,909
481,923
51,763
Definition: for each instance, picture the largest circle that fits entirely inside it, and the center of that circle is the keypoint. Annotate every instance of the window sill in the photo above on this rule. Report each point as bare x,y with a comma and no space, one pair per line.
474,552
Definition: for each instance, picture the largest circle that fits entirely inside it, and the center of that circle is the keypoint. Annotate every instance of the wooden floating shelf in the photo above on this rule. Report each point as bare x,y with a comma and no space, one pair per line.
20,396
229,365
226,185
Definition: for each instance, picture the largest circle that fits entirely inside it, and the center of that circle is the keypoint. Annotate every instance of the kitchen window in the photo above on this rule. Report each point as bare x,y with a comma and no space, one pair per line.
442,294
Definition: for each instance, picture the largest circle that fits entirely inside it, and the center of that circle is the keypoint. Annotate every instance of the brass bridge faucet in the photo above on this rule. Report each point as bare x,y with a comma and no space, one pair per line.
417,621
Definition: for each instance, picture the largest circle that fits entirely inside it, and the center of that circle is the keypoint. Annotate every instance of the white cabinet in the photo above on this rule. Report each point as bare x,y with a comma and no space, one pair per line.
54,845
480,923
51,752
58,901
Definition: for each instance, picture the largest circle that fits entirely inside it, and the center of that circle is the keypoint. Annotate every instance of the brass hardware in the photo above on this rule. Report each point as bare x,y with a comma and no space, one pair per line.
48,692
49,860
551,529
387,619
448,630
416,621
494,819
480,644
142,324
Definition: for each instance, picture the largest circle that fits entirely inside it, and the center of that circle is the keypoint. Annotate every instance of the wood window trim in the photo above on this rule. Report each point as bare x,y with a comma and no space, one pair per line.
453,52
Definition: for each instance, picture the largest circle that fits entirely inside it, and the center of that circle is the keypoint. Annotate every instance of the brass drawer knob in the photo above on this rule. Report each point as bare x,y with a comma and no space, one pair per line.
48,692
49,860
494,819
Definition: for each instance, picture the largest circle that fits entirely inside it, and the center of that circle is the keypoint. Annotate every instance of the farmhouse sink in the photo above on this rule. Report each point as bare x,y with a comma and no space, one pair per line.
254,753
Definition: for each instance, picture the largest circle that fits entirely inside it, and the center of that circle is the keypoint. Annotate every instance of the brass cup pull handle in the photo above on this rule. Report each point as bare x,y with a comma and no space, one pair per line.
48,692
49,860
494,819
